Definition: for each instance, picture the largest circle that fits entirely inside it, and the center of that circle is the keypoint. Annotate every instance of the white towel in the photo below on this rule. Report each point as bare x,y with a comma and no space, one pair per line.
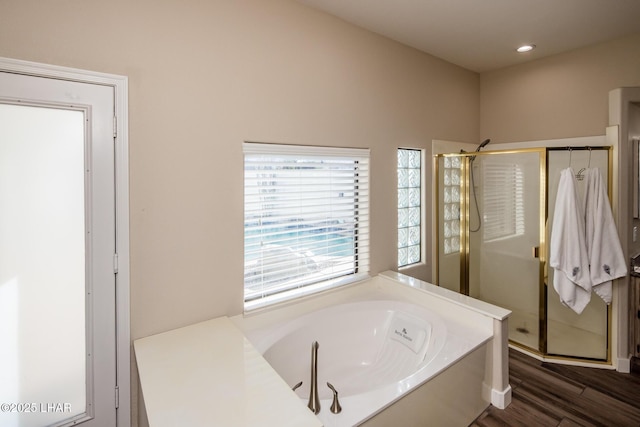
568,250
606,259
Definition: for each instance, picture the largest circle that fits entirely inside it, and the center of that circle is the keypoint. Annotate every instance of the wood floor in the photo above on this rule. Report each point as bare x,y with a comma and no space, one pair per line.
546,394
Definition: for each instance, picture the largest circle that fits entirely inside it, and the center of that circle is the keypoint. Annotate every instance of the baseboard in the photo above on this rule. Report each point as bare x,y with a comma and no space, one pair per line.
501,399
624,365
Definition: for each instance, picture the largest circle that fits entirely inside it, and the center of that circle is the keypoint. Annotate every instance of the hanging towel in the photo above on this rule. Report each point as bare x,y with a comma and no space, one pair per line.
568,250
606,259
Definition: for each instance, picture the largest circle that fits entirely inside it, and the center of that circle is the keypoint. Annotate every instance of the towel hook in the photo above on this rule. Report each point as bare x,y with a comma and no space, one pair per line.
589,165
570,150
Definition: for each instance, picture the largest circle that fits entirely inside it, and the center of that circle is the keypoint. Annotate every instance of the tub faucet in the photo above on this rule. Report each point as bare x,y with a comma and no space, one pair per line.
314,400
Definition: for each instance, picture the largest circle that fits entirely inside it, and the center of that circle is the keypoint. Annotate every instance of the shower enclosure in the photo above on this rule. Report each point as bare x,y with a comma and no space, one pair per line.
492,233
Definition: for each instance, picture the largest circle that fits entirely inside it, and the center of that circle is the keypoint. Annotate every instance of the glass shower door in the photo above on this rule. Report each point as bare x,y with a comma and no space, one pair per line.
492,230
569,334
506,202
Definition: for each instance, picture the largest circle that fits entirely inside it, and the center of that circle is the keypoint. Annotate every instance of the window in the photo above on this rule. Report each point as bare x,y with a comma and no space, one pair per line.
409,206
503,200
306,220
451,214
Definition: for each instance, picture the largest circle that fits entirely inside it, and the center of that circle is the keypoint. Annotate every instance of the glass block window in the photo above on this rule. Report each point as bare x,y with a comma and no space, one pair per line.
451,214
409,206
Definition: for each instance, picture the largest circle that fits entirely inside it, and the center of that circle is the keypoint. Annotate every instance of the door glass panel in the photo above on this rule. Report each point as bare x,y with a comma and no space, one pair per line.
504,217
569,334
43,356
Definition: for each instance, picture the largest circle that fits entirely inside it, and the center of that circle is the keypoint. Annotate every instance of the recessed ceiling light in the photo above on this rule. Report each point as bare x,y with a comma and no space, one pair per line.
526,48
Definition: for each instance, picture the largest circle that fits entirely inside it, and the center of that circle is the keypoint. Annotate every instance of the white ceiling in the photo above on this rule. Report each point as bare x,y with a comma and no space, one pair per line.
482,35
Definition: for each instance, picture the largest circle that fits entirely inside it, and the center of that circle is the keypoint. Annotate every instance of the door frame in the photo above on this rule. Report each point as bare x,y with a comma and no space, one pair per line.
121,263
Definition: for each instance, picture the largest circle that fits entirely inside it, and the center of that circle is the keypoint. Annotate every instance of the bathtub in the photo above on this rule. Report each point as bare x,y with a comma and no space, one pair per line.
394,353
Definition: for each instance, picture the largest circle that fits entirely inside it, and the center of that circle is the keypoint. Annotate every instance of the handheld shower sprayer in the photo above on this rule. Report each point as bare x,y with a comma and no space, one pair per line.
483,144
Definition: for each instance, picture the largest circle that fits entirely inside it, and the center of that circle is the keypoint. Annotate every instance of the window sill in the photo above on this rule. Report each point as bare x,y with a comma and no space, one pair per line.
293,294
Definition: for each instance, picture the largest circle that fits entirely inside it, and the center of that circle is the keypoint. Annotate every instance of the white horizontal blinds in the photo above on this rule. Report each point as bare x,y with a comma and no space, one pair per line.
306,216
503,200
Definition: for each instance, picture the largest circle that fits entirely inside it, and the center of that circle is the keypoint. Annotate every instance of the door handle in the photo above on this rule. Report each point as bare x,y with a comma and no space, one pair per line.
536,251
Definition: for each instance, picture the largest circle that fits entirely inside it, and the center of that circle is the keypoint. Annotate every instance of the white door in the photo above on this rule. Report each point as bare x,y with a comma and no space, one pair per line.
57,246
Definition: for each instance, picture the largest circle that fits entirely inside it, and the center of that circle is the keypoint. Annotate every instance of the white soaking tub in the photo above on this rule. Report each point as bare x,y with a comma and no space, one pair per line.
394,353
363,347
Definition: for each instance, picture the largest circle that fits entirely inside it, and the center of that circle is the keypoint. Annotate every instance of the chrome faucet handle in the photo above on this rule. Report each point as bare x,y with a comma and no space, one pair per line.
296,386
335,406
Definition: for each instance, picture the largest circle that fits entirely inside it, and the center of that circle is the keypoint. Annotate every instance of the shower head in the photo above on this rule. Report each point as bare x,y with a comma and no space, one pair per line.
483,144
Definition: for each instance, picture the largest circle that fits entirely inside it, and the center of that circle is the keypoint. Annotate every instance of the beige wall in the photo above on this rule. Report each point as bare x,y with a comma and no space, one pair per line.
206,75
561,96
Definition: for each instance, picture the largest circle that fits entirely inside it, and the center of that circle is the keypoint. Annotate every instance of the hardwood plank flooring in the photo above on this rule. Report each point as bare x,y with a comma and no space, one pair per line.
552,395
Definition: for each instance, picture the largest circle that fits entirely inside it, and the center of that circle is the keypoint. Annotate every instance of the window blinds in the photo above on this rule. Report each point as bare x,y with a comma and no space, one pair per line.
503,198
306,216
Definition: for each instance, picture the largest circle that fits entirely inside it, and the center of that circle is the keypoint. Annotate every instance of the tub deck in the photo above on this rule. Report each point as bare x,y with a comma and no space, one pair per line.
210,374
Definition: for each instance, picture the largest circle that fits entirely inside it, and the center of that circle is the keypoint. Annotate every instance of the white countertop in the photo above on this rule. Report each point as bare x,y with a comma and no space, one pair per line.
208,374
